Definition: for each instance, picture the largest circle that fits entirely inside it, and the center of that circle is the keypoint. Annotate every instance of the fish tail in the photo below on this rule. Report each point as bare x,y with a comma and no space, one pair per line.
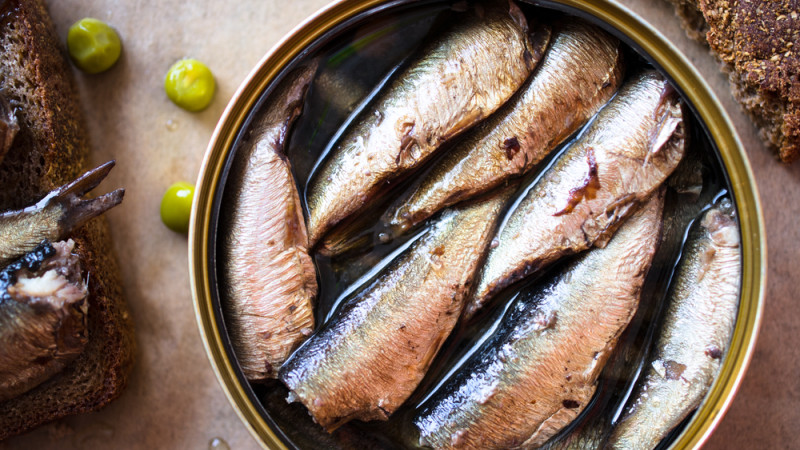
76,209
84,183
80,211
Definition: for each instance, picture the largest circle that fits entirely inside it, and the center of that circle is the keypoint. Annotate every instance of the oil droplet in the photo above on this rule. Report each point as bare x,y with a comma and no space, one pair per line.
218,444
172,125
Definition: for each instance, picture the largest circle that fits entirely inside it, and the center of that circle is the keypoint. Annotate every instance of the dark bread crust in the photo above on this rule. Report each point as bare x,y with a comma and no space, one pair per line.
757,42
50,150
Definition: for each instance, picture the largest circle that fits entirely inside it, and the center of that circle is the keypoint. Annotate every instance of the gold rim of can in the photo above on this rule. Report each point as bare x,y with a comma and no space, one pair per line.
642,35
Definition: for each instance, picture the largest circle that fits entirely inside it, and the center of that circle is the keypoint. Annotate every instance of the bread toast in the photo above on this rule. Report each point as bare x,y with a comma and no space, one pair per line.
757,43
50,149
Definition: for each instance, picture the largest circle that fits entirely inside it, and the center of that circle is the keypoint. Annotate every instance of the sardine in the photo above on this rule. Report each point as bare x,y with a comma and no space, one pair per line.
373,352
696,331
269,278
43,317
56,215
8,126
689,192
539,370
586,436
630,148
459,78
579,73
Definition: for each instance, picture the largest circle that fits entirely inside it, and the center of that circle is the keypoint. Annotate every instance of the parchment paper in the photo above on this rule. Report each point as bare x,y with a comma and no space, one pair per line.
174,399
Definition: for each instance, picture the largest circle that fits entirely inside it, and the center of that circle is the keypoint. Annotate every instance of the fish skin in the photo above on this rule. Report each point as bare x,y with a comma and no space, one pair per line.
539,370
44,325
622,156
453,83
697,328
688,192
578,74
588,436
56,215
373,352
270,280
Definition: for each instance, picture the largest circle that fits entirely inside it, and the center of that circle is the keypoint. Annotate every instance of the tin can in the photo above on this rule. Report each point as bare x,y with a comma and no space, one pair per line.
335,20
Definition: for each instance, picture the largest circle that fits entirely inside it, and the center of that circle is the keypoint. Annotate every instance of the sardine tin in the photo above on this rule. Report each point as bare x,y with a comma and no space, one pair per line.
614,17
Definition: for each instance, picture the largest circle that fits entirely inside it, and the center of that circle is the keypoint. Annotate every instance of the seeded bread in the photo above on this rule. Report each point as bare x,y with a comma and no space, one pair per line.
757,42
49,150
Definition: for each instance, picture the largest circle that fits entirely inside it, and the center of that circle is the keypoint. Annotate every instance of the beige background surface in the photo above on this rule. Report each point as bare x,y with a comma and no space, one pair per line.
174,400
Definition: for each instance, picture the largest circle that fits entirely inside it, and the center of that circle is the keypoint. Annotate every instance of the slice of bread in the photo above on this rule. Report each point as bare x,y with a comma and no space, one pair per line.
757,42
51,149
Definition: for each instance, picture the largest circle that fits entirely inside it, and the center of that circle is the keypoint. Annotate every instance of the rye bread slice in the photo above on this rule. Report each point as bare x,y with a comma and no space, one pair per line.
757,42
51,149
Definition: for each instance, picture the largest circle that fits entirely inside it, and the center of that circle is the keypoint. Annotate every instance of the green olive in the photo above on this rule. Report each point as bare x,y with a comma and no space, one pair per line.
93,45
190,84
176,206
